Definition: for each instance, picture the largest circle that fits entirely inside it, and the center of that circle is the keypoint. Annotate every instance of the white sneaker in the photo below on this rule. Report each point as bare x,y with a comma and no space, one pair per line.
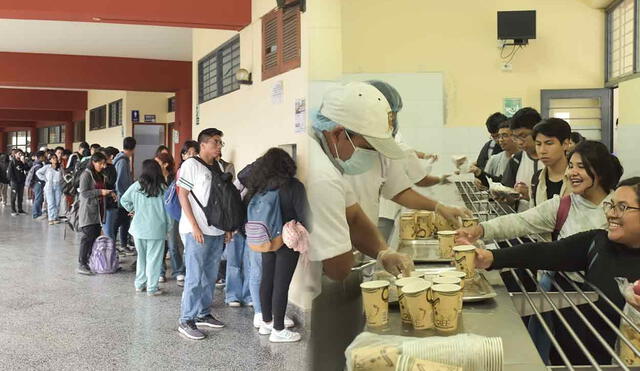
265,328
180,277
257,320
284,336
234,304
288,322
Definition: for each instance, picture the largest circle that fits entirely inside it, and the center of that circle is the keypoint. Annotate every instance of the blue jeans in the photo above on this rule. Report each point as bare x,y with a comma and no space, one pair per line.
537,332
38,199
54,194
237,288
202,262
177,263
110,220
255,277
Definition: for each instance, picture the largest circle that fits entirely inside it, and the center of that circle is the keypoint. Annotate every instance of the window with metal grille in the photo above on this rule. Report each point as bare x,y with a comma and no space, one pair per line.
280,41
115,113
19,140
621,39
98,118
217,71
79,131
54,134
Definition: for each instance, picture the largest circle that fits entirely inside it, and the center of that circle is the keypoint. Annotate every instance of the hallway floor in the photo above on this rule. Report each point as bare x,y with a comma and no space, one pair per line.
53,318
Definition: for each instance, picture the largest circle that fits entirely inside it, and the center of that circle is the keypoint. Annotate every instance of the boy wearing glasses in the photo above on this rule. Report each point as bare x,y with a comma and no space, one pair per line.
492,147
497,164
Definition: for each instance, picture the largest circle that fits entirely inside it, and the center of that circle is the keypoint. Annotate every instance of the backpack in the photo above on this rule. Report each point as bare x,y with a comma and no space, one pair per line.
264,222
224,209
104,256
172,203
72,180
561,216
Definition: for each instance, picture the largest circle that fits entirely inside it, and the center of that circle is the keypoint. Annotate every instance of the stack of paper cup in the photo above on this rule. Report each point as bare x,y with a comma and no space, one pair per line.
400,283
375,297
416,298
446,306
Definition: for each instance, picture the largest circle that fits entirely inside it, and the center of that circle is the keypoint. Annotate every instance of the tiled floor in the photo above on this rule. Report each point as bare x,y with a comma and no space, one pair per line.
53,318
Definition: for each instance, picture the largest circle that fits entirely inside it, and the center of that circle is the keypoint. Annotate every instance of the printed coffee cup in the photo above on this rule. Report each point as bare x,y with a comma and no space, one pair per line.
407,226
464,257
458,274
450,280
400,283
424,224
416,297
375,297
446,306
470,222
446,241
377,357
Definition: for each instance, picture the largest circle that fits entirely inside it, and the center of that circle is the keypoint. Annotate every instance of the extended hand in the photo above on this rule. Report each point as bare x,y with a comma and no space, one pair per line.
469,235
395,262
453,213
484,258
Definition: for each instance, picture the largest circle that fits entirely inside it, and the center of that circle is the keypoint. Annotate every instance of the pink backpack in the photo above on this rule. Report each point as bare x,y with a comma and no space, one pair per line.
296,237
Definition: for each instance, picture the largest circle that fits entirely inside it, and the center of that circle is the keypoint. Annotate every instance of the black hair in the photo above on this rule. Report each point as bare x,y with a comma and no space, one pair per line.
597,158
96,157
151,180
67,152
577,137
208,133
161,148
633,182
129,144
59,148
553,127
95,146
525,118
52,155
505,124
84,145
111,151
40,154
493,122
271,171
190,144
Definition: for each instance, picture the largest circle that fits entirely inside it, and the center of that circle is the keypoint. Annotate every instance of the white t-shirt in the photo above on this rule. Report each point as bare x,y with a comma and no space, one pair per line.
527,168
497,164
196,178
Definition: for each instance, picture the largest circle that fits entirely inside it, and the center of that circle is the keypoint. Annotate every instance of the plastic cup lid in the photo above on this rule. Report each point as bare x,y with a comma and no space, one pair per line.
444,287
443,280
401,282
457,274
374,284
463,248
415,287
446,233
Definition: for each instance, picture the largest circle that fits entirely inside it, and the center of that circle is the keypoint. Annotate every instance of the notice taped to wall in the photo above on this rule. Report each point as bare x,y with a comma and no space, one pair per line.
300,118
277,92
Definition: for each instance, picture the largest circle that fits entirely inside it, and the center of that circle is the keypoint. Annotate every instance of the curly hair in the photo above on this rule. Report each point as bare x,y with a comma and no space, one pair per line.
271,171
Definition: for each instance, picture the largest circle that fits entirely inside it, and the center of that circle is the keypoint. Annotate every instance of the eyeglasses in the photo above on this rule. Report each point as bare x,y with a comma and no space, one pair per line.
504,136
218,142
520,137
619,208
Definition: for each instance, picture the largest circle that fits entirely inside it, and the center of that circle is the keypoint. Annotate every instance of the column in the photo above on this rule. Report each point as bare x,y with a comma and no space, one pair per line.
3,141
68,135
183,118
34,139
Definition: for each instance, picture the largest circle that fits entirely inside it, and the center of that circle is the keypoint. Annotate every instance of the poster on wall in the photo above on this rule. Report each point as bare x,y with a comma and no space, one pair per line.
176,136
198,114
277,92
150,118
300,116
511,105
135,116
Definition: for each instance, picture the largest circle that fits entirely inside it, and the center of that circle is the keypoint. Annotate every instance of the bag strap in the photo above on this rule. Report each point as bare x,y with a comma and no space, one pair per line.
561,216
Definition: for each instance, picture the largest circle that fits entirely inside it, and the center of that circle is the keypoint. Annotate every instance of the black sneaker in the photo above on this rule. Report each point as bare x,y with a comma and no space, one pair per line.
84,269
189,330
209,321
22,212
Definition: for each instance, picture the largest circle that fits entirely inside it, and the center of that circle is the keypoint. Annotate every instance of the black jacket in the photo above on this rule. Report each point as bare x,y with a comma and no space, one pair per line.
509,176
110,177
4,166
483,156
294,204
601,260
17,172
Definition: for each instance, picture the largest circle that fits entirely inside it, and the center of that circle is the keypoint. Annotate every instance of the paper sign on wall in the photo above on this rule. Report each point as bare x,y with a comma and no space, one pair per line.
299,121
176,136
149,118
277,92
198,114
511,105
135,116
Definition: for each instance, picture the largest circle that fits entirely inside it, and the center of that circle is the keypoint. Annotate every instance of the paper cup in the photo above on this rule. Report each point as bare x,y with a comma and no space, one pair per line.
407,227
423,224
446,302
470,222
379,357
415,274
464,257
458,274
451,281
417,302
375,297
446,240
400,283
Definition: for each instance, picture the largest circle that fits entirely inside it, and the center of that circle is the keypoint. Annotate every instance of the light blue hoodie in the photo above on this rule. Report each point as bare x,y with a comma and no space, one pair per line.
150,220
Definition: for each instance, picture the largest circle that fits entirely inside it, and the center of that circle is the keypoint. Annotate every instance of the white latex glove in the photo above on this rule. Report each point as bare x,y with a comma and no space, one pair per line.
452,214
395,262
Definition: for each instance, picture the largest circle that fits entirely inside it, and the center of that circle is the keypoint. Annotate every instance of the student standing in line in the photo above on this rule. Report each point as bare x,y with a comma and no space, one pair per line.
17,176
165,160
4,179
275,171
35,185
203,243
91,193
150,225
51,175
122,163
111,207
552,142
497,164
228,167
576,138
492,147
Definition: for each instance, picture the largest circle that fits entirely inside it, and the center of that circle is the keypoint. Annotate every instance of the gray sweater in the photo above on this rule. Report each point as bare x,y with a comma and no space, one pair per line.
90,198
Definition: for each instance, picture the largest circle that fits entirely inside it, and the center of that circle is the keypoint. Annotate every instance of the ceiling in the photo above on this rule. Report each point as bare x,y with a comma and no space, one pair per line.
95,39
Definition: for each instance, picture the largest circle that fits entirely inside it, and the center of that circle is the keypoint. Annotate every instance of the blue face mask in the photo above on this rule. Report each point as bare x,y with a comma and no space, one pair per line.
360,162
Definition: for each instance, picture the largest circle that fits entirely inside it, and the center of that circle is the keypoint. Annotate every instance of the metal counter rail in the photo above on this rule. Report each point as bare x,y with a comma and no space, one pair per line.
481,205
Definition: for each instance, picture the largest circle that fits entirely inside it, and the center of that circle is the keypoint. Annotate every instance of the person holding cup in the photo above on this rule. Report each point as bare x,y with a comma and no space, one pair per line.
601,254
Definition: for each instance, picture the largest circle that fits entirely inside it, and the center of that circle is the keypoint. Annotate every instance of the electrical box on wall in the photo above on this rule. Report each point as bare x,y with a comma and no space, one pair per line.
506,67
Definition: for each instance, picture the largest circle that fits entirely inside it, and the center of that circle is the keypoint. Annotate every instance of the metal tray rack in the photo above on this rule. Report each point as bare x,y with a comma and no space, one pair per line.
536,303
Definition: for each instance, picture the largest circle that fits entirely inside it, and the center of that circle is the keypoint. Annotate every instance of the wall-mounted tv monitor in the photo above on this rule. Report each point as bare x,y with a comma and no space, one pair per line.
517,25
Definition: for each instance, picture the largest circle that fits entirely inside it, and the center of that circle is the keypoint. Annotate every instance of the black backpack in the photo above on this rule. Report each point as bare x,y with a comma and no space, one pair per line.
72,180
225,209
